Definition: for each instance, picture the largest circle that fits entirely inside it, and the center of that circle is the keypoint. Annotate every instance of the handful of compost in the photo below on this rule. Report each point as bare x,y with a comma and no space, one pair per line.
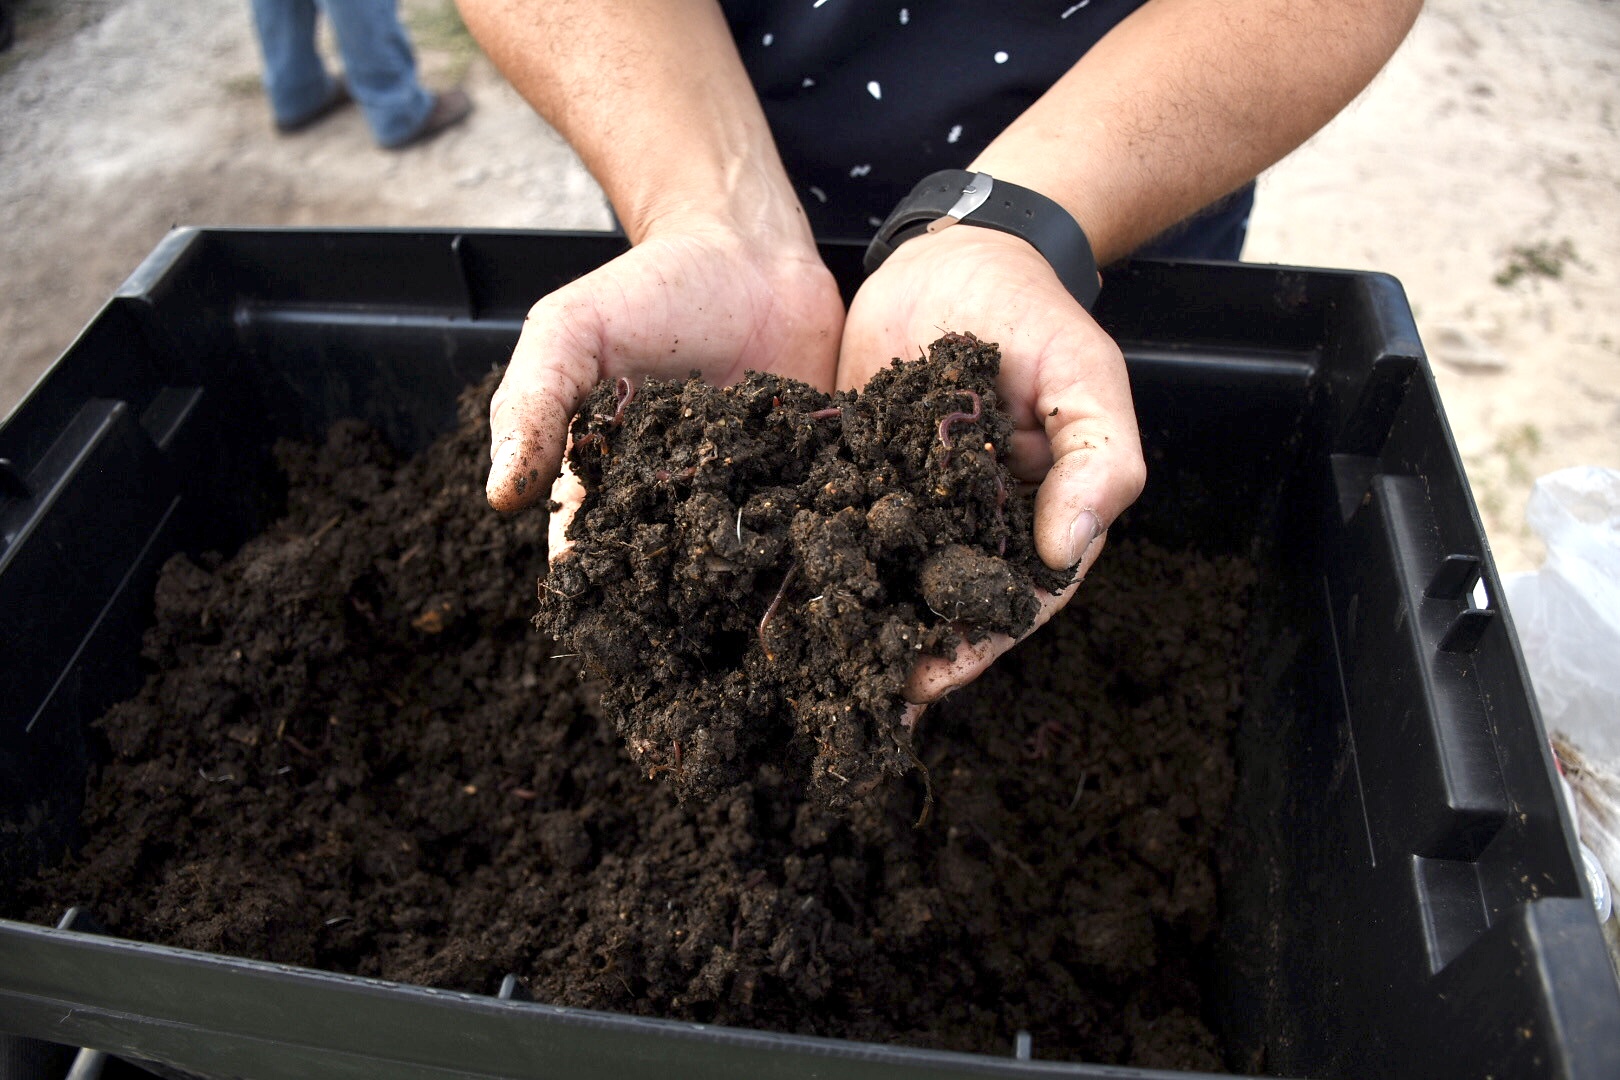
755,569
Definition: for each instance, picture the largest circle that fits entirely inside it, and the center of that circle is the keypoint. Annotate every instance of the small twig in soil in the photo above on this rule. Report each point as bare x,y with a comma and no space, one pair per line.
1001,501
739,524
776,602
928,792
300,747
998,849
324,529
1079,790
676,768
546,585
962,417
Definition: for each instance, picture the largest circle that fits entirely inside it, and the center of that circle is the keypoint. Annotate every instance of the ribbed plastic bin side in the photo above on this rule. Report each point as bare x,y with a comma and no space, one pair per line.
1399,890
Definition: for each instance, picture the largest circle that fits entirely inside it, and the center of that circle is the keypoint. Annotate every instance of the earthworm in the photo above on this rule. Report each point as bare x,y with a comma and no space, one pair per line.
594,437
627,394
951,418
826,414
793,572
683,474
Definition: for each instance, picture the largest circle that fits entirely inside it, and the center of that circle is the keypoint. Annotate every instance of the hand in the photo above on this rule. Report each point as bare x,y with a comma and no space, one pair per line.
1062,379
697,296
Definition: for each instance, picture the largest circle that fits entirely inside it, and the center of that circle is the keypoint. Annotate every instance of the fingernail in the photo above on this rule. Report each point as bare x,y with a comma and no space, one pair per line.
505,455
1083,532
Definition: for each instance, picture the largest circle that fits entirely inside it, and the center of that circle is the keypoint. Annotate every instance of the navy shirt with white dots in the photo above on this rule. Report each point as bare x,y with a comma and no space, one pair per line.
866,98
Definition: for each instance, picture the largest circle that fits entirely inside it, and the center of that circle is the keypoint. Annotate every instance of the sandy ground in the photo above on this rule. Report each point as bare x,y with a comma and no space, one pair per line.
1482,169
1489,144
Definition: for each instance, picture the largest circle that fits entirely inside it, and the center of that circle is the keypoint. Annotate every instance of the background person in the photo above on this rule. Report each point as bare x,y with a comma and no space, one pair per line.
379,71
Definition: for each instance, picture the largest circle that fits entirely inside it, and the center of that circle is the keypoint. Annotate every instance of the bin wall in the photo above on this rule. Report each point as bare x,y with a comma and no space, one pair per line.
1400,894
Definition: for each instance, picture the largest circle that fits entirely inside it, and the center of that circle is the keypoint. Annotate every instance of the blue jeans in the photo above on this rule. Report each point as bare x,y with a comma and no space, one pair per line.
377,63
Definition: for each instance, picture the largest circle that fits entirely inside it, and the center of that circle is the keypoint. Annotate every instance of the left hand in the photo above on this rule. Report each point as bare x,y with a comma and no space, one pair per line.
1062,379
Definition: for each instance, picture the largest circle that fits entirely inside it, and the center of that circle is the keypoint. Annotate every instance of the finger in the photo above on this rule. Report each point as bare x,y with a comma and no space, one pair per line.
569,494
936,676
553,367
1097,468
1098,472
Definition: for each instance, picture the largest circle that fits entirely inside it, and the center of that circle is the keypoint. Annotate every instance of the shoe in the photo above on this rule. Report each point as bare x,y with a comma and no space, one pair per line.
449,109
336,99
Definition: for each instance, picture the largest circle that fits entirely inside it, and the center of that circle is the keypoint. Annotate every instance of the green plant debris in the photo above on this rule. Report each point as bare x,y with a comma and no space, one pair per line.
1517,446
436,27
1540,260
243,86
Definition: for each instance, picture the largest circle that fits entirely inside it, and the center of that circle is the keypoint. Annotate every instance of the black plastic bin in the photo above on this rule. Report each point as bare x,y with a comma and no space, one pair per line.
1410,902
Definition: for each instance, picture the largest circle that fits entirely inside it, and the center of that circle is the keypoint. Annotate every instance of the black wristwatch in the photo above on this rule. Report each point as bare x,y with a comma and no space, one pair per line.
955,195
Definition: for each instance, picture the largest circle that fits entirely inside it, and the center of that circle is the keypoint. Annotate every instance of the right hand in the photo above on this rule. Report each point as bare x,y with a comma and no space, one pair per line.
698,296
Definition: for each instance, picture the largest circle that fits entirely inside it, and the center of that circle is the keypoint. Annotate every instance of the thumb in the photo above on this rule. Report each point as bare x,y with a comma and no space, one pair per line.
555,364
1097,472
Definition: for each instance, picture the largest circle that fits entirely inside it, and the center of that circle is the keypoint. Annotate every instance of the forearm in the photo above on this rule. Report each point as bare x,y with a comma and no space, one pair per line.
654,98
1185,101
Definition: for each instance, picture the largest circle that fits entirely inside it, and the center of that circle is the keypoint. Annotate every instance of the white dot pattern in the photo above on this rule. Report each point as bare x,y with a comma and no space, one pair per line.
906,119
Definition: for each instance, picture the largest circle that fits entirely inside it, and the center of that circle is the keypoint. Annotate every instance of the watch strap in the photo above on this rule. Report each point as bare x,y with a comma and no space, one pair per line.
957,196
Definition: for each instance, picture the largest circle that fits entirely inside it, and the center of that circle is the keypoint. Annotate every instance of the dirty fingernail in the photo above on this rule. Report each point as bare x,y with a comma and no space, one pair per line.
1083,532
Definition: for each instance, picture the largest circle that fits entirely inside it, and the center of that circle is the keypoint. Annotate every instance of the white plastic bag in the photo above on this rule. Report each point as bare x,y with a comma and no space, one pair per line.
1568,618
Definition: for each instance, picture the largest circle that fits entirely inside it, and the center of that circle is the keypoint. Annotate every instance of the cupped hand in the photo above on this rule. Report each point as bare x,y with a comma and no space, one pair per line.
1062,379
699,297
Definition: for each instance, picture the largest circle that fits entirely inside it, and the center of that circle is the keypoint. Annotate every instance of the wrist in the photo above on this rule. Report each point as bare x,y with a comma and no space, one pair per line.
996,255
953,200
1069,176
742,195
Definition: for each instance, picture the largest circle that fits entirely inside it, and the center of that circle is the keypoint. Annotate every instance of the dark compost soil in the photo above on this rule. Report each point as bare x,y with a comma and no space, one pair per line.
756,568
355,753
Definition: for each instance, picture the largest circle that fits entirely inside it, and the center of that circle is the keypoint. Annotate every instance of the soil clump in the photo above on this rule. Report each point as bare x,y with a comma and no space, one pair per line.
355,753
756,568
